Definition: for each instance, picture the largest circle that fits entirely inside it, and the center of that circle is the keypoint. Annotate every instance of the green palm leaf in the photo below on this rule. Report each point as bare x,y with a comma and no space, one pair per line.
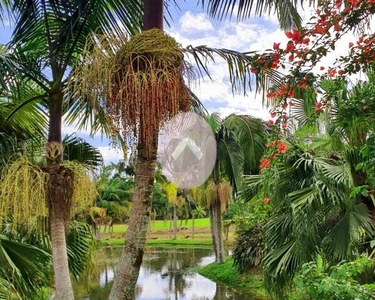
77,149
285,9
24,265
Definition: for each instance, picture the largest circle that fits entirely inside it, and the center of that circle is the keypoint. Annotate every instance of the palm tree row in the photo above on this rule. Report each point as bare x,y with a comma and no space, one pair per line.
52,35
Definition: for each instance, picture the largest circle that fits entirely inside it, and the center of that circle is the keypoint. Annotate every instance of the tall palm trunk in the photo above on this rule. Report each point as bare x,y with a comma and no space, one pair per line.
217,229
60,191
128,267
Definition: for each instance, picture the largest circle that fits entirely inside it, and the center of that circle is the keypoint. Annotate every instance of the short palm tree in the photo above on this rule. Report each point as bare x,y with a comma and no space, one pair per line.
240,143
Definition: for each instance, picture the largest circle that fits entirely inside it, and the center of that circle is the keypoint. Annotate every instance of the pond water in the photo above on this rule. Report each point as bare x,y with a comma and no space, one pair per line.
166,274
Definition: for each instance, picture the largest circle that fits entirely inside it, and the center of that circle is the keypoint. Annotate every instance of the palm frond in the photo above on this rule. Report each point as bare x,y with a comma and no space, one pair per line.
239,65
352,223
80,241
8,291
286,10
251,134
23,264
77,149
230,157
8,66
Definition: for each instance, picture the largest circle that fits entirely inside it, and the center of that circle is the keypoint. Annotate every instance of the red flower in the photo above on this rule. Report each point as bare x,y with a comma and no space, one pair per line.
331,72
270,122
305,41
283,126
351,44
268,145
341,72
290,46
273,156
276,46
254,70
321,68
282,148
266,200
273,114
275,143
354,3
264,163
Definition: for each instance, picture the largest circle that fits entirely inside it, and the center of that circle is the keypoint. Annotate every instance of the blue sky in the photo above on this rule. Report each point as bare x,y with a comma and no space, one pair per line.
192,26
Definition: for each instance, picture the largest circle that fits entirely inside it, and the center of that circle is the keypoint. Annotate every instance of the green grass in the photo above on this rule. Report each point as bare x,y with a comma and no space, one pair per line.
226,274
252,282
164,225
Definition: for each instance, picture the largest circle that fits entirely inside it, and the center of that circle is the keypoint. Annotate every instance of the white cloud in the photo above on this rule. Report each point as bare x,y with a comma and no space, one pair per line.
111,154
191,23
256,34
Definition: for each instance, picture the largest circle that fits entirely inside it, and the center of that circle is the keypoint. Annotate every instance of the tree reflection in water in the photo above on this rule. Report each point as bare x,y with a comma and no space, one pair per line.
166,274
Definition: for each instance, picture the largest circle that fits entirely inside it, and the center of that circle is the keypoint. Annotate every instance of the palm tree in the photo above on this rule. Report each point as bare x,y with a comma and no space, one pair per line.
51,35
240,144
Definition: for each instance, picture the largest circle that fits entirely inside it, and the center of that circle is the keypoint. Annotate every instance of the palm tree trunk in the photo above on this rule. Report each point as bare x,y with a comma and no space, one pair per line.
153,14
216,230
193,229
127,270
60,191
174,222
170,226
131,259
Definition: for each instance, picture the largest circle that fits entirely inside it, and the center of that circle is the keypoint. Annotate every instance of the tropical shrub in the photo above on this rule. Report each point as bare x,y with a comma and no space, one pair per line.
248,250
344,281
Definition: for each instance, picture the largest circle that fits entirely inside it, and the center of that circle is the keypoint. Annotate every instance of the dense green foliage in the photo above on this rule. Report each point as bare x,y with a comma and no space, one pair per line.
314,192
344,281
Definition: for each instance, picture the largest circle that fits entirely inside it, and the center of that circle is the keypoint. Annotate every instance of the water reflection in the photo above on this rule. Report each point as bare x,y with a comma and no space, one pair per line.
166,274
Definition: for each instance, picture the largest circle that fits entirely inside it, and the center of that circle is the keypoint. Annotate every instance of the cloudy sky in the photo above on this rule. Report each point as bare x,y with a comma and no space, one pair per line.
192,26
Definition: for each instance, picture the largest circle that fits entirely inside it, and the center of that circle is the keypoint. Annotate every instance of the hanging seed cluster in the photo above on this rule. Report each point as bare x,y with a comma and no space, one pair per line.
22,194
84,192
147,84
225,194
139,81
218,192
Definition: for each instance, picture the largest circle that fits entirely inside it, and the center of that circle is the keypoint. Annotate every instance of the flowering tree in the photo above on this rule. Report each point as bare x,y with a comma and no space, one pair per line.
316,184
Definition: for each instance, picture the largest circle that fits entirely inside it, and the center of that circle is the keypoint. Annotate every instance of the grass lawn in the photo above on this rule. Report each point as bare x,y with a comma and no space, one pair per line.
227,274
164,225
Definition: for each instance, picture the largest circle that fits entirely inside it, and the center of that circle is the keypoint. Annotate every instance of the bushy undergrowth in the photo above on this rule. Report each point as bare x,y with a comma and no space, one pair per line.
248,250
344,281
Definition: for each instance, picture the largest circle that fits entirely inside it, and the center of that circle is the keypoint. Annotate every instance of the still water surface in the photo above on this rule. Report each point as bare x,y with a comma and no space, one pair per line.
166,274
